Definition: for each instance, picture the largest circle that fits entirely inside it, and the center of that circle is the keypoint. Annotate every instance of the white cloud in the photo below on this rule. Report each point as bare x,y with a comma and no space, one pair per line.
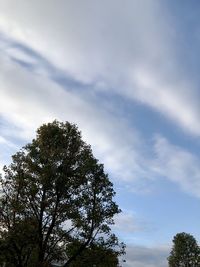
124,47
3,140
127,222
6,142
78,35
178,165
109,47
128,47
141,256
28,100
175,100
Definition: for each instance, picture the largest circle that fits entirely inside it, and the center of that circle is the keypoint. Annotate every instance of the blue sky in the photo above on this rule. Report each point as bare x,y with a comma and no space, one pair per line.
127,73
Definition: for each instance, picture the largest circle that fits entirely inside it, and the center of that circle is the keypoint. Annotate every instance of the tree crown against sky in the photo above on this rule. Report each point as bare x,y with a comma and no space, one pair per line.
55,194
185,251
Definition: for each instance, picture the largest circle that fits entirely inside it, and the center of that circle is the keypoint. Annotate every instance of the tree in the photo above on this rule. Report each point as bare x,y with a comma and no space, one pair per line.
185,251
55,186
99,254
16,245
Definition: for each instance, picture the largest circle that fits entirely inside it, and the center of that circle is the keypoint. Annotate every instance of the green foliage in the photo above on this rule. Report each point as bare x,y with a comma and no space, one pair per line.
185,251
96,256
99,254
53,193
17,244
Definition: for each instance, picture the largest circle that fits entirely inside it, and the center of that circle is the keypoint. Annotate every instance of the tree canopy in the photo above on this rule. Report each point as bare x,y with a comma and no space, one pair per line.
55,196
185,251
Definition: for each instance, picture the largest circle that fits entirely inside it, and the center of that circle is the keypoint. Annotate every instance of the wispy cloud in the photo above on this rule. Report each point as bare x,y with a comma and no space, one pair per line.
130,49
178,165
78,61
141,256
28,100
128,223
175,100
4,141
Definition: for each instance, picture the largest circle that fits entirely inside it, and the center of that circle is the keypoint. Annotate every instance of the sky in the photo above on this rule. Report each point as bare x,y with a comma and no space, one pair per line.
127,73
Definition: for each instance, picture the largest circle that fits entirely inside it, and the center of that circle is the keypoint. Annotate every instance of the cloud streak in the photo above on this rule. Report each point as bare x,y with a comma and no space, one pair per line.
141,256
128,49
178,165
128,223
28,100
31,98
98,64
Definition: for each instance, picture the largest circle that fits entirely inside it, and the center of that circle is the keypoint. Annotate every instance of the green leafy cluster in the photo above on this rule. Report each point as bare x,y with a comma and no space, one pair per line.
185,251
